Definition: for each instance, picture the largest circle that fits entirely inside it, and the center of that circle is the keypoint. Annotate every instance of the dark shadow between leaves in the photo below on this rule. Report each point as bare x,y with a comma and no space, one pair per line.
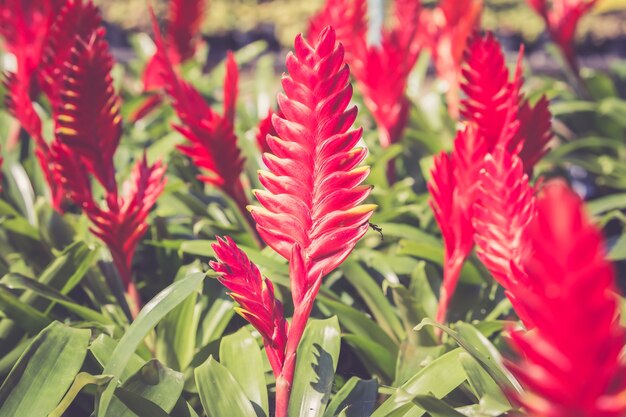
324,370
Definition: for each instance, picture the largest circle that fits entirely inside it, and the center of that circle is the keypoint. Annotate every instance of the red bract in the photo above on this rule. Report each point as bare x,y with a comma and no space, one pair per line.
562,20
453,186
76,19
181,40
395,57
255,295
447,30
347,17
265,128
122,224
88,129
87,111
570,362
213,145
504,208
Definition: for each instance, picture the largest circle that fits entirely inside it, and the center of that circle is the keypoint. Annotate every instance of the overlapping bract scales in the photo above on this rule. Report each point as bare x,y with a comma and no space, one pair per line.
312,199
489,92
87,111
495,104
265,128
184,20
570,363
255,295
181,40
504,208
395,57
20,104
212,142
77,18
347,17
453,187
122,224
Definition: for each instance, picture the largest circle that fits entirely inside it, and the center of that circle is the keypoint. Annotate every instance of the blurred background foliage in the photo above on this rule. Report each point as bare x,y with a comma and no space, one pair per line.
289,17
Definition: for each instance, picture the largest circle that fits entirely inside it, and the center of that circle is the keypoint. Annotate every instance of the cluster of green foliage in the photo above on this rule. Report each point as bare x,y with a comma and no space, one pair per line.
66,339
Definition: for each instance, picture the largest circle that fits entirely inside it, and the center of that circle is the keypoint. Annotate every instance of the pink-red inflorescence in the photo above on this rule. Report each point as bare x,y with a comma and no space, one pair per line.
445,31
395,57
311,211
496,116
181,40
562,19
212,141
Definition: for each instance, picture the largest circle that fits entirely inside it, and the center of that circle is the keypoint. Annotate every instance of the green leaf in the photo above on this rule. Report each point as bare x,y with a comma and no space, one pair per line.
150,315
618,249
434,252
176,334
435,406
316,362
220,394
21,282
81,381
607,203
492,400
376,359
241,355
357,397
370,291
481,349
154,382
22,314
102,349
44,372
438,378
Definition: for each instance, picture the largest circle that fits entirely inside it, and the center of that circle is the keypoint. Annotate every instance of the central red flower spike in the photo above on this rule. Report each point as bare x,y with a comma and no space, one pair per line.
311,205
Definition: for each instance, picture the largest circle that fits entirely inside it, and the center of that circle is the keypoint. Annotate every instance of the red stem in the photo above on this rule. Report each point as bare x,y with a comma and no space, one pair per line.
134,298
451,273
300,318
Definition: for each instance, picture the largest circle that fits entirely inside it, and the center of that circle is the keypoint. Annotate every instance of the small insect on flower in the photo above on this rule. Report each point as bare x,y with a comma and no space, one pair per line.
378,229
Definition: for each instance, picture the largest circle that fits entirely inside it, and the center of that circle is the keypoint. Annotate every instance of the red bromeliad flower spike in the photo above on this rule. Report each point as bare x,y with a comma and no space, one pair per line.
453,186
311,210
122,224
213,145
504,208
255,295
45,68
570,362
88,130
87,109
496,117
395,57
448,29
183,30
562,21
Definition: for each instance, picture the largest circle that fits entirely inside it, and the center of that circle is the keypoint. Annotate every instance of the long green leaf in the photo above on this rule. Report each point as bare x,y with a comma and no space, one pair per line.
241,355
147,319
318,354
220,393
357,397
154,382
44,372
